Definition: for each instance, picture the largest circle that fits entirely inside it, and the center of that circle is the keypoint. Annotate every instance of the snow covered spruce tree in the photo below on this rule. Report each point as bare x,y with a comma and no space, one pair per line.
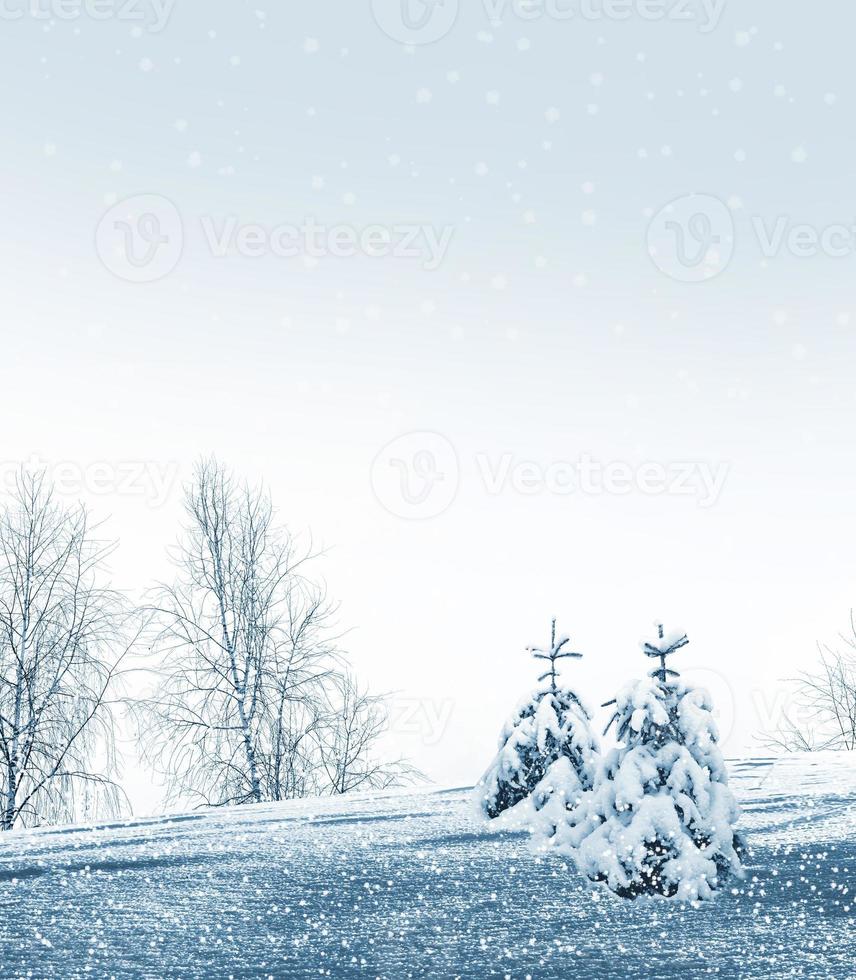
547,749
661,819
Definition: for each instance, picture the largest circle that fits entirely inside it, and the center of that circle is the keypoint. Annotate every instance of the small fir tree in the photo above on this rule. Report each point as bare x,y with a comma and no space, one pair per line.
547,748
661,819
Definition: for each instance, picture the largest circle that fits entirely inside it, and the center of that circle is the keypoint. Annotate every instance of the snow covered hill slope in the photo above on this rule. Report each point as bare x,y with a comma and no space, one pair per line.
409,884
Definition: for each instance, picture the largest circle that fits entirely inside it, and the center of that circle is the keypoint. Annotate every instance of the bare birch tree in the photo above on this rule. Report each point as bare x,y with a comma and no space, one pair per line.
245,657
61,647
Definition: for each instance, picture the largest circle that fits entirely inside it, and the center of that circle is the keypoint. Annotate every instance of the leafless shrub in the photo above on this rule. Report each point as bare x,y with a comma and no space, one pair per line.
824,711
348,742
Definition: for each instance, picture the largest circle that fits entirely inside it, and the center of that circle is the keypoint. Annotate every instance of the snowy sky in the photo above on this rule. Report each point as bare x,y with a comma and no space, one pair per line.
579,428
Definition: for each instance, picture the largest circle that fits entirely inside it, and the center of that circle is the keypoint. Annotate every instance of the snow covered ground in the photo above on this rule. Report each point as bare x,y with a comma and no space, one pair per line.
409,884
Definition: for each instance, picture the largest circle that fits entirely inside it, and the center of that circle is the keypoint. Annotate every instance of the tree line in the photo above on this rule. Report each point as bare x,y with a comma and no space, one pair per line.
245,694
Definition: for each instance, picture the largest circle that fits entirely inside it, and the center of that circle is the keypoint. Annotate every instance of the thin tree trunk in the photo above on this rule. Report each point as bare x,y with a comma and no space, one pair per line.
240,687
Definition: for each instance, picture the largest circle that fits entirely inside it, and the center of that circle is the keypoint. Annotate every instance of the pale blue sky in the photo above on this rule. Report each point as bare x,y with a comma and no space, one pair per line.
546,333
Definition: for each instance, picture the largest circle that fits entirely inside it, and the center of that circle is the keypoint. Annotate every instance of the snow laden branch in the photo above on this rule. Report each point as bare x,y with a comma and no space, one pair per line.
63,640
250,702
